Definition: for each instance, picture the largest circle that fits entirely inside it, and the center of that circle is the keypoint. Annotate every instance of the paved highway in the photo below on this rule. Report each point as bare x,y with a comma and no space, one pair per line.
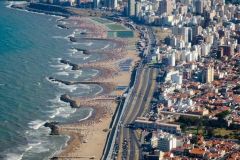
122,142
139,102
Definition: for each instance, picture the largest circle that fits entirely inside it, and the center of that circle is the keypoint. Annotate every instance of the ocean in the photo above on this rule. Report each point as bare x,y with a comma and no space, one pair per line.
31,46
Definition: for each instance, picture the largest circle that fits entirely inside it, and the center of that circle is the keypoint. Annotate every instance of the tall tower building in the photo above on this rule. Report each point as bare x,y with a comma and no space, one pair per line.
199,6
78,2
166,6
172,59
208,74
111,4
131,8
96,3
137,8
115,3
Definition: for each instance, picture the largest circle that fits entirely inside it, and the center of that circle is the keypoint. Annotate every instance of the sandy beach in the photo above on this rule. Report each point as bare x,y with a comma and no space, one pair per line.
88,137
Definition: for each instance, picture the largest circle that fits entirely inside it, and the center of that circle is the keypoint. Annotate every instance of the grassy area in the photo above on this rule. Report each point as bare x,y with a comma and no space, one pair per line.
121,34
116,27
218,132
101,20
222,132
193,130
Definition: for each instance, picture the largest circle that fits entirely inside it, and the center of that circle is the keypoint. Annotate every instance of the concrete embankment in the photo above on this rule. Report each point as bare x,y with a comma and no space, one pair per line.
45,8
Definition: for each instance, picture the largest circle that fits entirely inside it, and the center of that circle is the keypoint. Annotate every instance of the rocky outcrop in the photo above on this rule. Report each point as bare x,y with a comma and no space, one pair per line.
74,66
84,51
53,126
72,39
66,98
61,81
62,26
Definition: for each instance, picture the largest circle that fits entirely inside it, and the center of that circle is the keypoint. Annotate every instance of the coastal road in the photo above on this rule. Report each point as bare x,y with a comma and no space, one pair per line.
123,142
139,102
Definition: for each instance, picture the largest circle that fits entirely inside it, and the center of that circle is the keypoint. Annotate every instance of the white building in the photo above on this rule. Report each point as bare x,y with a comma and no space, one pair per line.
205,49
166,142
154,142
177,78
172,59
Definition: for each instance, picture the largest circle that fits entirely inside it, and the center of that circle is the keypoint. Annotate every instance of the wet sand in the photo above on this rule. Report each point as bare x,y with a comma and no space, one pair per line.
88,137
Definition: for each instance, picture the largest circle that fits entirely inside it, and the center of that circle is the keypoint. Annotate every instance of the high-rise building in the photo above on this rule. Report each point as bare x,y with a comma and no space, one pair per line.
196,30
199,6
190,34
137,8
184,33
78,2
111,4
131,8
172,59
187,2
166,6
96,3
208,75
205,49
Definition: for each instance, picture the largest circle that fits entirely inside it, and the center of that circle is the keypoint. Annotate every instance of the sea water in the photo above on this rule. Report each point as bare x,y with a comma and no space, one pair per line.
31,46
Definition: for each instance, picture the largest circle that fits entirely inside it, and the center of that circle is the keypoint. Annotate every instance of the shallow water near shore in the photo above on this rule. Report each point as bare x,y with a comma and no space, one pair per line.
30,48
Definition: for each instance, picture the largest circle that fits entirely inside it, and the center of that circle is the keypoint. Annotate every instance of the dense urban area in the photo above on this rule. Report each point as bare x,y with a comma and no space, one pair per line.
184,101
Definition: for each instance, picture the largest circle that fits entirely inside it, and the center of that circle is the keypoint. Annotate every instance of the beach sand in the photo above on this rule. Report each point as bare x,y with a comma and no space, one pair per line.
94,132
88,137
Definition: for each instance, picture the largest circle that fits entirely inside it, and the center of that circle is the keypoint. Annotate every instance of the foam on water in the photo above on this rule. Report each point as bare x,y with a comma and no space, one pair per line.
73,51
60,108
61,66
54,113
77,74
73,33
63,86
100,91
9,4
37,141
36,136
59,37
85,43
88,116
105,47
57,59
96,72
62,73
36,124
13,156
87,57
70,88
23,150
62,111
39,148
56,100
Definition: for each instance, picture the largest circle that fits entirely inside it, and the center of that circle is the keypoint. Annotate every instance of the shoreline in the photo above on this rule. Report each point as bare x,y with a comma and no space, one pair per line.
104,105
